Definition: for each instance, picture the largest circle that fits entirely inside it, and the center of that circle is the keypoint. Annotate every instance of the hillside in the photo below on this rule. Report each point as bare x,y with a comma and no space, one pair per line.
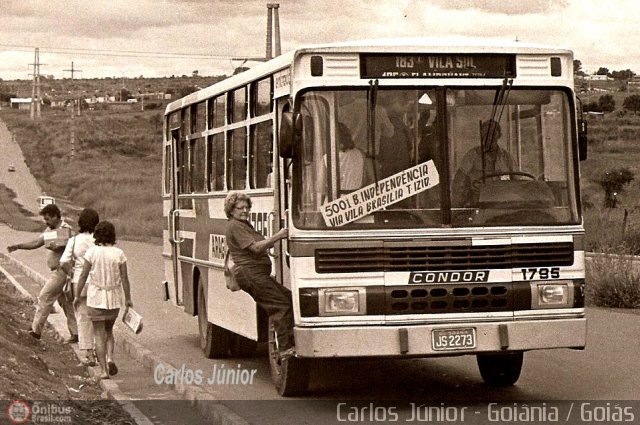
116,167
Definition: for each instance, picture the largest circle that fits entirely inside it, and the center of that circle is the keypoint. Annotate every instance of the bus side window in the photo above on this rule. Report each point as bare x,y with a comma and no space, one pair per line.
261,154
237,158
215,160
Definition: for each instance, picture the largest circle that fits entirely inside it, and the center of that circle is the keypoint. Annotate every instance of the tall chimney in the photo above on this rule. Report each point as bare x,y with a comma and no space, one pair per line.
277,30
269,34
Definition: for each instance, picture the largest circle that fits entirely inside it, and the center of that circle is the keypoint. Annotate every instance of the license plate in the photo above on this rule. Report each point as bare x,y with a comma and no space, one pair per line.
453,339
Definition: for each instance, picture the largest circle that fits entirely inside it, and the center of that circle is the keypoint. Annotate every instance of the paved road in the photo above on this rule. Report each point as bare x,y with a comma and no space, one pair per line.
21,181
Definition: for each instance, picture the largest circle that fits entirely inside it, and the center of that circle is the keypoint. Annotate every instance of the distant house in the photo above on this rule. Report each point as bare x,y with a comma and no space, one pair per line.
21,103
596,77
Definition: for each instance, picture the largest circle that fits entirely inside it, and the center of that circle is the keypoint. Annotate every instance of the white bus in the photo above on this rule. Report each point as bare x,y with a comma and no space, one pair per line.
417,238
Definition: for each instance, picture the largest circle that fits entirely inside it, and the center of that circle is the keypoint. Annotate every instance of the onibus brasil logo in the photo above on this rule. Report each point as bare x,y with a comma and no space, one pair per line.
18,412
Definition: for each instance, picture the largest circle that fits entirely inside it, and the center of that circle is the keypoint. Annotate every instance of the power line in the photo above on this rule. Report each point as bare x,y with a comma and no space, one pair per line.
121,53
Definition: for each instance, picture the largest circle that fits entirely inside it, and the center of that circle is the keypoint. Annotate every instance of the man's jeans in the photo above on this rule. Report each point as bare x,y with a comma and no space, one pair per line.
50,292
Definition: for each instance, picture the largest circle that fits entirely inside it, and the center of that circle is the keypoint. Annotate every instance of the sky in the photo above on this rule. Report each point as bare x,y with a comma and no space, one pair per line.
160,38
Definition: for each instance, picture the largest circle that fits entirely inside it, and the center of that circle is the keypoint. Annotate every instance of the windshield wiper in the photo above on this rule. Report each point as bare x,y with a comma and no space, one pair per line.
372,99
499,102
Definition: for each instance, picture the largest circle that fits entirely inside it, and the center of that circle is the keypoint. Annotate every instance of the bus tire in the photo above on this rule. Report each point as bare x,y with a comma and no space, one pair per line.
214,340
500,369
290,375
243,347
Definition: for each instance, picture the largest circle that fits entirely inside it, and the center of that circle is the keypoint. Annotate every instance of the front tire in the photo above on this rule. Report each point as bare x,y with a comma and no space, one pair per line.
214,340
290,375
500,369
242,347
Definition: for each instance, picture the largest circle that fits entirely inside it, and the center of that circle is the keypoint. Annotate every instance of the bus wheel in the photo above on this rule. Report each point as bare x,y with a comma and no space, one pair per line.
242,347
214,340
501,369
291,374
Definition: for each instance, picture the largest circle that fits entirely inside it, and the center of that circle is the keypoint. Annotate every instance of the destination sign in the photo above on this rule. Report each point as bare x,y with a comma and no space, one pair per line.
474,65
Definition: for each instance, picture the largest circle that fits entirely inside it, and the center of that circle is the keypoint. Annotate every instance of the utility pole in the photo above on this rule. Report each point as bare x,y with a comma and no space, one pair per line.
35,88
73,133
74,70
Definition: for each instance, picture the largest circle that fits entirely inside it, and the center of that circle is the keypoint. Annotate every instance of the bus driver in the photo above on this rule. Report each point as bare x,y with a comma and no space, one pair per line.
481,162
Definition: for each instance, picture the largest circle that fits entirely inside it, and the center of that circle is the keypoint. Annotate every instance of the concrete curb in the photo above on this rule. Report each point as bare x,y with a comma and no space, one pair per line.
218,413
58,323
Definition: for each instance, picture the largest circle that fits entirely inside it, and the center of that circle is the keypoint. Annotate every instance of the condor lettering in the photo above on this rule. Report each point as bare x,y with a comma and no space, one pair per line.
449,277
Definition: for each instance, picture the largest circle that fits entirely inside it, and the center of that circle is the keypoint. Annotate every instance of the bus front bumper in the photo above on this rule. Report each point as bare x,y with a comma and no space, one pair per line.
416,340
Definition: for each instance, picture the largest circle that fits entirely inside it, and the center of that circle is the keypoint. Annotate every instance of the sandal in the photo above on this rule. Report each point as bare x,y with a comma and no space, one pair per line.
113,369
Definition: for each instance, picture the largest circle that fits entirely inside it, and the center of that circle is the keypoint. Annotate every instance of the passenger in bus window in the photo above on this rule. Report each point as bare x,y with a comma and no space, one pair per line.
350,161
480,163
248,249
353,110
427,141
395,150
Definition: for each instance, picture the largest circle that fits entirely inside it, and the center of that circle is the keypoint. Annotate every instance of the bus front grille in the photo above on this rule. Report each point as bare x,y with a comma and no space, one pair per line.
430,299
433,258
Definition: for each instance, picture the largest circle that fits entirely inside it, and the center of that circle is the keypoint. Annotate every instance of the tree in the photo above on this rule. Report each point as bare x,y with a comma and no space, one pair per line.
577,68
195,73
591,107
627,74
632,103
607,103
124,94
185,90
613,183
603,71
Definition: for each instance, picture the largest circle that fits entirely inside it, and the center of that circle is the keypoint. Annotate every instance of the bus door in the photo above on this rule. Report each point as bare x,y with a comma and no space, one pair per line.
281,193
174,218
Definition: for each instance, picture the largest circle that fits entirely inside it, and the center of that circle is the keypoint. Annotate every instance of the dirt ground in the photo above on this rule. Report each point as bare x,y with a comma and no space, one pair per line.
45,374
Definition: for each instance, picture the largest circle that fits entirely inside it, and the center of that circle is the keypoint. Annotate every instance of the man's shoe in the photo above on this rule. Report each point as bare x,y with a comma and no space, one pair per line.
72,339
34,334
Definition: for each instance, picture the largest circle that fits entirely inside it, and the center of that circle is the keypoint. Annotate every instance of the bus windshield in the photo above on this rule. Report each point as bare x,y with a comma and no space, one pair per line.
435,157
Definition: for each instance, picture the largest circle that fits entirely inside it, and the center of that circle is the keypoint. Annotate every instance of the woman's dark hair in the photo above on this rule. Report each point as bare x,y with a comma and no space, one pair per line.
105,233
344,137
88,220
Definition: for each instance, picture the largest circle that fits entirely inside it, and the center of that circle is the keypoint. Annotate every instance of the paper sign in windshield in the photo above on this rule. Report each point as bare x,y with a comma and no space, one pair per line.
382,194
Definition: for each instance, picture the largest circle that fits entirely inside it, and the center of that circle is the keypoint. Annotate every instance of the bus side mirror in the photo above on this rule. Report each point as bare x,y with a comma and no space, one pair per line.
290,133
582,139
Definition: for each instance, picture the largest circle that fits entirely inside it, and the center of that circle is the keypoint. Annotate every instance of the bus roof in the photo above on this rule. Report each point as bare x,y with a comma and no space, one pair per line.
439,44
398,45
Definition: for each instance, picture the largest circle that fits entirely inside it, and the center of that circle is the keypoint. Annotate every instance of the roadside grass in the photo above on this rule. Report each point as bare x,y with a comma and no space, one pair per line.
15,215
612,281
614,143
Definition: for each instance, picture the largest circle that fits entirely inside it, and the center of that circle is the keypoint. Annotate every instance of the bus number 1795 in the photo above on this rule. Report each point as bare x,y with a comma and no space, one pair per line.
541,273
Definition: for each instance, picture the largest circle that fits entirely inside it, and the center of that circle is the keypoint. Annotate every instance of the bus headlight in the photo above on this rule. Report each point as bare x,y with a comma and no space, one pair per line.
555,294
342,302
